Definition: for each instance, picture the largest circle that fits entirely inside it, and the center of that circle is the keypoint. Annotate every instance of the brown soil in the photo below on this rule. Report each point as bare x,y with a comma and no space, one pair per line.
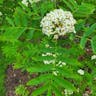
14,78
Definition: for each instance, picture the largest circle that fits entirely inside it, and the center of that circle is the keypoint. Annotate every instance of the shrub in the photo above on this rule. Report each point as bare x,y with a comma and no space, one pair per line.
62,62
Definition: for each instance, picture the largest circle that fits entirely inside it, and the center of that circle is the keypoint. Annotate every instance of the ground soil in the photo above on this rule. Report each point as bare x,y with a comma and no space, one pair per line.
14,78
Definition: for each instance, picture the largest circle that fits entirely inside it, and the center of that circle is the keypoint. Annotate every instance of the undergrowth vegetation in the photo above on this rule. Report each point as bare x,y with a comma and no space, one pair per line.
34,38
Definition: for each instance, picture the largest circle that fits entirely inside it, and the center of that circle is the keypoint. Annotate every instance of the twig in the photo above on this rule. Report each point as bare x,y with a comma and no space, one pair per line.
81,37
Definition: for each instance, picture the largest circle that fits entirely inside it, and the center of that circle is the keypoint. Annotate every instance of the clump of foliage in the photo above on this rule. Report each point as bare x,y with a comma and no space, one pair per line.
24,46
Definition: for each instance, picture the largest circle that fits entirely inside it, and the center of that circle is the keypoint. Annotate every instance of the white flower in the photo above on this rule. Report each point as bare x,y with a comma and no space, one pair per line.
61,64
78,90
56,37
1,14
57,23
54,55
93,57
46,62
43,54
81,72
25,2
33,1
49,54
47,45
55,73
68,92
49,61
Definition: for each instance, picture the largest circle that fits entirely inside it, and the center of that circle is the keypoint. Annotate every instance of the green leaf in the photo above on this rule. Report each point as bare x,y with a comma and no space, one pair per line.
68,5
90,30
56,91
49,93
12,33
21,90
84,10
68,73
93,44
49,6
80,25
40,90
83,42
9,50
1,1
64,83
10,21
30,34
74,3
72,62
40,68
42,58
20,17
87,34
41,79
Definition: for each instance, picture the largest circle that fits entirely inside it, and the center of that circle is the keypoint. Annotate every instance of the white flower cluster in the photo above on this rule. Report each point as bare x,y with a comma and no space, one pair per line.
49,54
60,63
53,61
68,92
33,1
57,23
81,72
93,57
49,61
25,2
